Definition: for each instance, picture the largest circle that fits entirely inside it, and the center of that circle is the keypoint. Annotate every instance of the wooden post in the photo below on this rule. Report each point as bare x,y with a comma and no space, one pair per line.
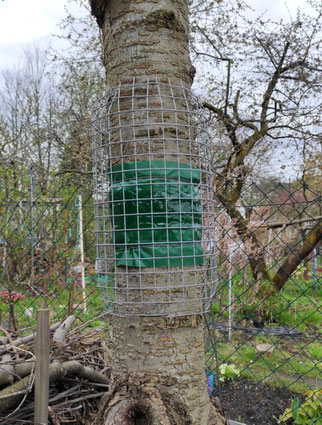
42,368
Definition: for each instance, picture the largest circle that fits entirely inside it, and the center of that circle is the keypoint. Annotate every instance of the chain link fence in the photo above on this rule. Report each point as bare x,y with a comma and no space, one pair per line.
263,340
265,331
47,253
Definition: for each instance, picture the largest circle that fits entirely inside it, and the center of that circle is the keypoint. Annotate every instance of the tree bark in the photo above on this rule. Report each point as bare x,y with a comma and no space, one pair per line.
296,256
64,328
144,38
158,363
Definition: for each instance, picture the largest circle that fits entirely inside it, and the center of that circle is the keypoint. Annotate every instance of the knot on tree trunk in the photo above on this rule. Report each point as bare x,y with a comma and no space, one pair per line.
163,18
139,400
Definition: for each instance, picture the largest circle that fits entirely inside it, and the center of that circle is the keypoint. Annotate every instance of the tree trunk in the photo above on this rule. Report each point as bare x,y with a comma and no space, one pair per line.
158,366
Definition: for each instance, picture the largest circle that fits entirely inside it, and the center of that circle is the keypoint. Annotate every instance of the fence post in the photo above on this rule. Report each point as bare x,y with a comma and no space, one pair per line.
42,368
229,289
80,237
314,269
32,241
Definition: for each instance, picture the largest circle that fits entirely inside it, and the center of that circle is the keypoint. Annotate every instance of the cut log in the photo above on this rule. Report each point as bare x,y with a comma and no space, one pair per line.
25,339
6,370
12,395
24,369
64,328
3,340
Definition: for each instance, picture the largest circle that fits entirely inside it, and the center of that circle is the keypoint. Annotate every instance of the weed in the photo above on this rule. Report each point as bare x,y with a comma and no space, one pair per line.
307,413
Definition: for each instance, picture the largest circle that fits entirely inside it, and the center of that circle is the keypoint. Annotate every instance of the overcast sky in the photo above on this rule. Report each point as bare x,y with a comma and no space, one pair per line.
25,21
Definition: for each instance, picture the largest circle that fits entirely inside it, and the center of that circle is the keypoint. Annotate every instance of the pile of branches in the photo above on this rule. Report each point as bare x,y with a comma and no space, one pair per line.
78,373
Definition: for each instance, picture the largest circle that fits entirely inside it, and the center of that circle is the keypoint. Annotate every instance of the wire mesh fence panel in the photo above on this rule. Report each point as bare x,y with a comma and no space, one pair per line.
47,260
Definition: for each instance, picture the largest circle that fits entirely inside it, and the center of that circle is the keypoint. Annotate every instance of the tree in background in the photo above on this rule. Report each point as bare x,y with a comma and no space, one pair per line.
80,79
43,146
28,103
264,91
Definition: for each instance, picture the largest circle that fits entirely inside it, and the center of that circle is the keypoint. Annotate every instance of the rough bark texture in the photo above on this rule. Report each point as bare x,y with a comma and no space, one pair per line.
144,38
169,353
158,363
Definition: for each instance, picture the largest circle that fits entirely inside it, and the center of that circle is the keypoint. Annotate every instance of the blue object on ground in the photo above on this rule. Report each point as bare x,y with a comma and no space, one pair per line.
210,383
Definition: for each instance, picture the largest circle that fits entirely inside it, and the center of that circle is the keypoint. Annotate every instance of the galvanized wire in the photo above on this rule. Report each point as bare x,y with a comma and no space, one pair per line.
154,200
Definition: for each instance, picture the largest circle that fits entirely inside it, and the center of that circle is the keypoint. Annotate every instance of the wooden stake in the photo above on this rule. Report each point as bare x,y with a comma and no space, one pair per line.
42,368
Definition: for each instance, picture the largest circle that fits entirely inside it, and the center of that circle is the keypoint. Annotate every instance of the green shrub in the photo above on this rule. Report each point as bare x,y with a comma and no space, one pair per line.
307,413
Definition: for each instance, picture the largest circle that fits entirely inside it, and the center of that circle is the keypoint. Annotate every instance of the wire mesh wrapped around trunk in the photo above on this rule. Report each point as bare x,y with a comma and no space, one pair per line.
154,200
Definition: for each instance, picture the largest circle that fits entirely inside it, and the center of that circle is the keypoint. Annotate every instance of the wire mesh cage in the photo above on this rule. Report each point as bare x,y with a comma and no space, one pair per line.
154,200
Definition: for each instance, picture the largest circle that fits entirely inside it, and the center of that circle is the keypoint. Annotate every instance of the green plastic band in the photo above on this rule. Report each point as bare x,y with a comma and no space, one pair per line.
157,214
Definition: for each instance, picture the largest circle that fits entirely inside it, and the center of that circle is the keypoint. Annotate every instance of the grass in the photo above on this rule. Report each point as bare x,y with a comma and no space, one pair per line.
298,304
282,365
296,362
315,351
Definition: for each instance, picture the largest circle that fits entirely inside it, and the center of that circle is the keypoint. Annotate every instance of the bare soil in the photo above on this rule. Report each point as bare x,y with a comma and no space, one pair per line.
252,404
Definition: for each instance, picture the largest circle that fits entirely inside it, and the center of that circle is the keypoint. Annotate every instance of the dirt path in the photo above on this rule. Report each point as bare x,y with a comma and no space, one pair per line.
316,382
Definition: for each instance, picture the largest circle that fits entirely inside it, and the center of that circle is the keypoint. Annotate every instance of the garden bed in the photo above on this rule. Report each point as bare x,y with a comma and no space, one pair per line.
245,401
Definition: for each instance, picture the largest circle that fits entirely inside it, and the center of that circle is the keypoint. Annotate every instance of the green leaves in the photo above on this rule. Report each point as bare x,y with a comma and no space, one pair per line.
295,406
307,413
